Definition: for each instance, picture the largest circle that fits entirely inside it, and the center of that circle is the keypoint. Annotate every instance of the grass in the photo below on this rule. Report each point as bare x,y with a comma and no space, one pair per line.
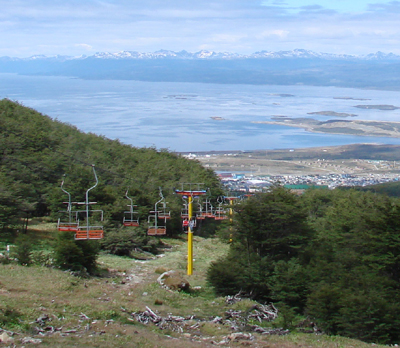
27,293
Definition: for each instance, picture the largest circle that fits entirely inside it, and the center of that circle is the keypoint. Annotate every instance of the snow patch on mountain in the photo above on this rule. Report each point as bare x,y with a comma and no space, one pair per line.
205,54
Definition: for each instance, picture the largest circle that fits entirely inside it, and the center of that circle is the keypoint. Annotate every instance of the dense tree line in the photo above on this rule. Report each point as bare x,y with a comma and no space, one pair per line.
331,255
36,151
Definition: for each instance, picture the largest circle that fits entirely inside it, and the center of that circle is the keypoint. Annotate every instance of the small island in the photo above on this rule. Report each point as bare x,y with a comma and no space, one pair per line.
331,113
284,95
350,98
218,118
353,127
181,96
377,107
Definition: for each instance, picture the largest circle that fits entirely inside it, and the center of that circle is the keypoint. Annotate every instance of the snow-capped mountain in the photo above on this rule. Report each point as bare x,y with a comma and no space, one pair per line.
205,54
299,66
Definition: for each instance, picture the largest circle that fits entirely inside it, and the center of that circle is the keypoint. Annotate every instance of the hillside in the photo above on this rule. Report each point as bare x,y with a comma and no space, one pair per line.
37,151
99,312
323,262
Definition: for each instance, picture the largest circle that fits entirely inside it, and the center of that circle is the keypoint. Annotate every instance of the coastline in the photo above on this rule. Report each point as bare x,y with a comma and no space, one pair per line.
345,127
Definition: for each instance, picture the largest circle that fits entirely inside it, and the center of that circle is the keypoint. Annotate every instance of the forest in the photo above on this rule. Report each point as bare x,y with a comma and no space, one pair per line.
333,256
330,256
39,152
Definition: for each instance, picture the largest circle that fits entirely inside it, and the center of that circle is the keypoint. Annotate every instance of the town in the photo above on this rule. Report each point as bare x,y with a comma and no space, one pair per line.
252,172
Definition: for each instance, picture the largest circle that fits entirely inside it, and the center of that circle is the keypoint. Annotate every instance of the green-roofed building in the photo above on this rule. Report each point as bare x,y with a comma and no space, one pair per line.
301,188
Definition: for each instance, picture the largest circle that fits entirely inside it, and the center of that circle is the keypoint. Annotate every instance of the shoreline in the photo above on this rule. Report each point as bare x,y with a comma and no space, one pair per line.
354,127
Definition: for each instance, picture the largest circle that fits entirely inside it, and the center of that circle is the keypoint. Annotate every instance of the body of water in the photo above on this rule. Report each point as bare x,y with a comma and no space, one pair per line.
179,116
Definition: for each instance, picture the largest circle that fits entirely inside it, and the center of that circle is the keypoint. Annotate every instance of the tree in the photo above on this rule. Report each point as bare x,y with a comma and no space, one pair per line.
268,228
75,255
271,225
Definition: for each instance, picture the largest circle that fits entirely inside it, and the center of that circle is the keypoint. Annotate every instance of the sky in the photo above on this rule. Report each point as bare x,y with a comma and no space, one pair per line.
84,27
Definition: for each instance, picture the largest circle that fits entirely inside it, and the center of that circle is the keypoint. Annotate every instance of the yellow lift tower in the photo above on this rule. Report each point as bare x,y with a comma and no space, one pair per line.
189,191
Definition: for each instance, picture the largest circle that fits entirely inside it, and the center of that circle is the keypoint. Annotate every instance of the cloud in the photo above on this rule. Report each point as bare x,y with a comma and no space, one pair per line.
244,26
280,33
84,46
390,7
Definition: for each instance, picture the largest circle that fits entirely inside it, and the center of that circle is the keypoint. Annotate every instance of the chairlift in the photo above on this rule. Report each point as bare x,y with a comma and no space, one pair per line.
88,231
155,226
67,225
130,217
199,213
208,209
220,212
163,213
185,210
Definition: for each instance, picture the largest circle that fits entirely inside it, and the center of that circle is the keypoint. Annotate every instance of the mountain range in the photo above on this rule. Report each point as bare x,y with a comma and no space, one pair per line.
205,54
376,70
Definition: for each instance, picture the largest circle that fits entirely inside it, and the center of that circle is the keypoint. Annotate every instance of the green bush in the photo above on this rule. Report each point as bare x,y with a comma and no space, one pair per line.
5,259
123,242
331,255
42,258
73,255
226,276
23,250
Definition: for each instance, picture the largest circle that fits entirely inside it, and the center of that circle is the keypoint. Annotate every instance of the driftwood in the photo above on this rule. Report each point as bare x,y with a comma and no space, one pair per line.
263,312
237,320
171,322
269,331
235,298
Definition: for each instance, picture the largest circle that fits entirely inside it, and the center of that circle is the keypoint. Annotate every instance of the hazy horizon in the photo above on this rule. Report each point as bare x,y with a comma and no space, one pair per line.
30,27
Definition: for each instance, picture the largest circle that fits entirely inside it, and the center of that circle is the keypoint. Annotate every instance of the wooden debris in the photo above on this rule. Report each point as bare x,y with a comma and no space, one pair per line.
31,340
269,331
235,298
263,313
83,316
42,320
237,320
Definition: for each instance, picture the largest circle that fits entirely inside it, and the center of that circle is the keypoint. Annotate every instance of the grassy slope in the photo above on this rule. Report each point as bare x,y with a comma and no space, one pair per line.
108,302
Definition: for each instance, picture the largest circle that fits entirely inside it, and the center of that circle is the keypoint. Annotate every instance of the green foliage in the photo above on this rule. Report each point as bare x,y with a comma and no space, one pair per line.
287,316
269,228
23,249
387,188
332,255
271,225
37,151
290,284
122,242
226,275
9,317
73,255
42,258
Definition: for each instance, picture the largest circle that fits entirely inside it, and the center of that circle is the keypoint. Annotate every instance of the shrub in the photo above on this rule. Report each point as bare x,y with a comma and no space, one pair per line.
75,255
23,250
123,242
226,276
41,258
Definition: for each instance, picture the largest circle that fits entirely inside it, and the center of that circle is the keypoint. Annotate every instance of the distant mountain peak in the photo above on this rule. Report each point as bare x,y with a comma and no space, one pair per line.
297,53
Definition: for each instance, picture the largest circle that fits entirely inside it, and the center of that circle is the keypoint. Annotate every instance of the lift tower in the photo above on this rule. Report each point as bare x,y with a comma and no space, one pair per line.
190,191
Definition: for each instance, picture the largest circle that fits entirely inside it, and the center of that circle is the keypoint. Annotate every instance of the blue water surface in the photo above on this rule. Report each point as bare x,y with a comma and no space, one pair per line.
179,116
